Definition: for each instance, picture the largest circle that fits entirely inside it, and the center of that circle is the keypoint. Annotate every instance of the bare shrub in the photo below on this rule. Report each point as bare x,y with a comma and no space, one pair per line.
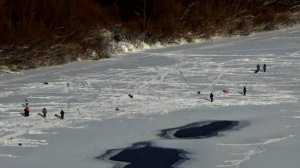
283,18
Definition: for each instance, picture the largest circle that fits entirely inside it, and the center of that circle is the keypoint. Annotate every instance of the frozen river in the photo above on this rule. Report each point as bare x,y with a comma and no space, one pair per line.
165,85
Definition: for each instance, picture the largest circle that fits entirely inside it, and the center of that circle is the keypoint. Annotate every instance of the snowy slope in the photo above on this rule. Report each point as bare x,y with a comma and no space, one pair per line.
164,85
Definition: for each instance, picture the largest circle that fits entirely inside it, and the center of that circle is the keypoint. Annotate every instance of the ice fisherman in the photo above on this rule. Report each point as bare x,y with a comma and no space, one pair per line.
264,67
44,111
62,114
26,110
211,97
244,91
257,68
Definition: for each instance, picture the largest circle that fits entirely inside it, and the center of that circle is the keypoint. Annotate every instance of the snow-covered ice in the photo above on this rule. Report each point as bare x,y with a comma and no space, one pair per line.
164,84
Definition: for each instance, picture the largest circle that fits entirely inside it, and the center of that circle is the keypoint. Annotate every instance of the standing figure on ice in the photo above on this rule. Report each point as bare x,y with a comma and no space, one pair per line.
44,111
244,91
62,114
26,110
211,97
257,68
264,67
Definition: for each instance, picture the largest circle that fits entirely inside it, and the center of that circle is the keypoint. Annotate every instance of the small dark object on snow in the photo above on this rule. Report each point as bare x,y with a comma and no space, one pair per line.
45,83
117,109
20,144
130,95
198,92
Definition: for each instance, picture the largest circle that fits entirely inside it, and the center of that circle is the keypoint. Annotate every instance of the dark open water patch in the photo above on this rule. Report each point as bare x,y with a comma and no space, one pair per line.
144,155
199,130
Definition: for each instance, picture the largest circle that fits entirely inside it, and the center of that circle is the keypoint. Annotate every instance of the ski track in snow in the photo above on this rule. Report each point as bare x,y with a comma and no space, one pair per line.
250,150
94,93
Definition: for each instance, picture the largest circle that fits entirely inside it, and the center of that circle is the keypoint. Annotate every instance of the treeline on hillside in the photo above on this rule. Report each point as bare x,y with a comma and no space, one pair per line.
46,22
22,20
166,17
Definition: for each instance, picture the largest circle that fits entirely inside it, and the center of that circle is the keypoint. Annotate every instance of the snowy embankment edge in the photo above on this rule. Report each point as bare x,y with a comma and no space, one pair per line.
123,47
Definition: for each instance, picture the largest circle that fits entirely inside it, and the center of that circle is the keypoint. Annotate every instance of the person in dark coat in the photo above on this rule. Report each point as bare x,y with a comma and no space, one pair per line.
44,111
62,114
26,111
257,68
211,97
244,91
264,67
